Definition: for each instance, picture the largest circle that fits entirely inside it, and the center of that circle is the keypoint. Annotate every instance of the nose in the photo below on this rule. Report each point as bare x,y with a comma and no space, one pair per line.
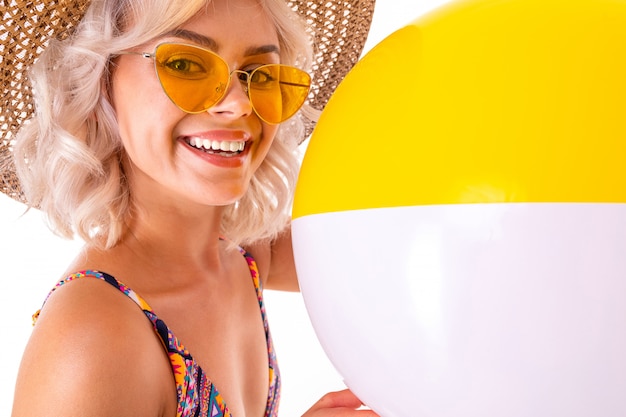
235,103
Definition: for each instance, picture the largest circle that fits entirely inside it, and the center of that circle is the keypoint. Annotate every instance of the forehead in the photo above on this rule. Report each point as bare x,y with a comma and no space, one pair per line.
237,24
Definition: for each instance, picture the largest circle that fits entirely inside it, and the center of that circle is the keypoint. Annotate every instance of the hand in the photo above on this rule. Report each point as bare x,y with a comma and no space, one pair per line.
339,404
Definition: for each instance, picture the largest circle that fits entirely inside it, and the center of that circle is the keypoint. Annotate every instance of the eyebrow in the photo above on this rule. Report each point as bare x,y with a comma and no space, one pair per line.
211,44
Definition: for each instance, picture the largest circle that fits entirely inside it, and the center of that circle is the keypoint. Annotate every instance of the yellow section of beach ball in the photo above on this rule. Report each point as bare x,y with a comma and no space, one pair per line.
478,102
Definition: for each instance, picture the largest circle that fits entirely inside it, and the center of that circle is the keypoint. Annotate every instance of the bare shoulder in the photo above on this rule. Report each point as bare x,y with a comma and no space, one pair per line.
93,352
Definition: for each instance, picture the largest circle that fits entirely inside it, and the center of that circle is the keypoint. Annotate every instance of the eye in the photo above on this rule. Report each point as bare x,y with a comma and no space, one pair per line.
261,76
185,66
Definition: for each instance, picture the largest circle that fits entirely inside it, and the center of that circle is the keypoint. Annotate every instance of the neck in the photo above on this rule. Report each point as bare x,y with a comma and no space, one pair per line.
161,250
175,236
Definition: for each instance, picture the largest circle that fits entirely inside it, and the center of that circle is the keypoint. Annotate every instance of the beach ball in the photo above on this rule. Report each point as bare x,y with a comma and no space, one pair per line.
459,224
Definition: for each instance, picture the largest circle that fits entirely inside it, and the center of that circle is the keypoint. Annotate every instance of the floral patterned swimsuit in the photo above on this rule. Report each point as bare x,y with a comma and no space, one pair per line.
197,396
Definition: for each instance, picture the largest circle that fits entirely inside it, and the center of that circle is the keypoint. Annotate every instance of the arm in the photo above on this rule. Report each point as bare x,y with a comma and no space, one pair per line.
276,263
93,353
282,275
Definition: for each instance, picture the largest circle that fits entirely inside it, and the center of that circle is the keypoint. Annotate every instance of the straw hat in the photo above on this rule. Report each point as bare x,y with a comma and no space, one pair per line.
340,28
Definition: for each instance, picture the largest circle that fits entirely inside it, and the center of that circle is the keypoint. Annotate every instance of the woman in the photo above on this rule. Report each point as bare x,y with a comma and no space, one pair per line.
157,138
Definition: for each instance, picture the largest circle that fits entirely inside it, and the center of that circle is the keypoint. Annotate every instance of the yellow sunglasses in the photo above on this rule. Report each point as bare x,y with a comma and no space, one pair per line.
195,79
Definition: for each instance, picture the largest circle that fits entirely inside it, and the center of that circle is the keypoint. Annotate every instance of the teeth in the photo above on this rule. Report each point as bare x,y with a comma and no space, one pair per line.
216,145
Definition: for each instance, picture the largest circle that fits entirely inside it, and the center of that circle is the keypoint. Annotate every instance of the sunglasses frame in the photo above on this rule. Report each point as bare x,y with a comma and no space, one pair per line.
223,87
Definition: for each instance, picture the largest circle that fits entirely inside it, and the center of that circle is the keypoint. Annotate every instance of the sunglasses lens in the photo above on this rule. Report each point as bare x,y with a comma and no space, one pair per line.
278,91
193,78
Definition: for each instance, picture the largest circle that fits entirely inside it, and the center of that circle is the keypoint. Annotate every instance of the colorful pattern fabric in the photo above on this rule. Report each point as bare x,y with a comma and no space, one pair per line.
197,396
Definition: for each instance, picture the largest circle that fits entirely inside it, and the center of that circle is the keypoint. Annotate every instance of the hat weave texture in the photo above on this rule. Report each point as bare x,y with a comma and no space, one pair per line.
339,29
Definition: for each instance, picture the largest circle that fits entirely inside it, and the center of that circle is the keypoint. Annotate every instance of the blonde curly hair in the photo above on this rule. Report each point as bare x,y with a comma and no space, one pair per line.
68,157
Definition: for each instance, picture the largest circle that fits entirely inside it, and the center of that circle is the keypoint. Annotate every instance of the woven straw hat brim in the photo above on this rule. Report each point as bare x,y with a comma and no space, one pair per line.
340,29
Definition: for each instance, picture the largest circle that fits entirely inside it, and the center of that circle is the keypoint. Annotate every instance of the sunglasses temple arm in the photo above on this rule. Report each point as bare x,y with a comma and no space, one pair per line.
294,84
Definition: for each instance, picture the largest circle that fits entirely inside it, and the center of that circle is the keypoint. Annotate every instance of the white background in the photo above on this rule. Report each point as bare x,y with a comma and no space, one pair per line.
32,259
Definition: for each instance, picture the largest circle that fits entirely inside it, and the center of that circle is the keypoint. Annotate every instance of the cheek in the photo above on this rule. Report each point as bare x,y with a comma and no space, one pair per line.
129,82
137,99
269,136
124,97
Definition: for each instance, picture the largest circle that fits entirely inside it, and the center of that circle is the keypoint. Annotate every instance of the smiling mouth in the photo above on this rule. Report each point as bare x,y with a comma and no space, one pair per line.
217,147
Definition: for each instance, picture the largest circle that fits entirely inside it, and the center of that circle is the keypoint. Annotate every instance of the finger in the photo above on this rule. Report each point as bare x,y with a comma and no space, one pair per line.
340,399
